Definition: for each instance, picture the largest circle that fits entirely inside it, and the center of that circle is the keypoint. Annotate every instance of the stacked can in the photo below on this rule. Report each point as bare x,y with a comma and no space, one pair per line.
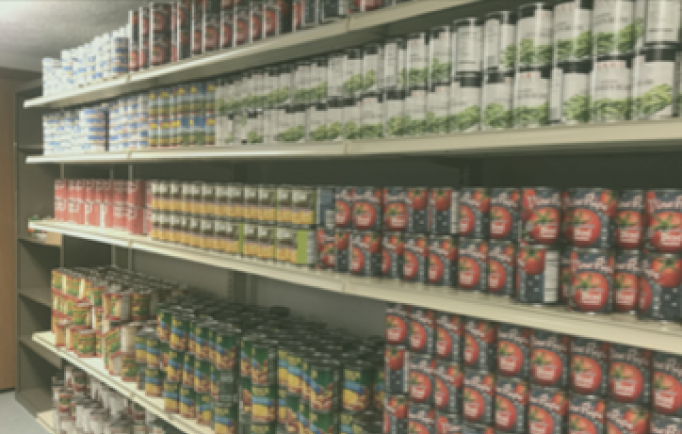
114,59
159,33
143,45
474,230
467,81
93,130
499,62
181,25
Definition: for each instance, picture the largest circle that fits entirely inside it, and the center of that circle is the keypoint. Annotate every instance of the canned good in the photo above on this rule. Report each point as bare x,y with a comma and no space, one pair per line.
586,412
511,404
474,207
612,88
442,261
629,374
171,397
513,351
659,292
664,232
537,275
619,416
416,253
549,407
666,380
501,267
591,281
358,376
550,359
479,391
188,404
422,419
588,367
479,344
630,219
473,265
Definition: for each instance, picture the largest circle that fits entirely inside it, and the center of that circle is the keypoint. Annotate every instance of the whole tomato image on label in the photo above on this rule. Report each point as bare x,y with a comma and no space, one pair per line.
395,216
510,358
625,382
665,231
540,421
668,271
629,229
442,199
586,374
343,214
396,329
435,268
418,198
420,387
546,367
364,215
532,261
667,394
590,291
496,275
505,413
418,337
242,31
586,227
474,405
626,288
469,273
395,357
500,222
544,225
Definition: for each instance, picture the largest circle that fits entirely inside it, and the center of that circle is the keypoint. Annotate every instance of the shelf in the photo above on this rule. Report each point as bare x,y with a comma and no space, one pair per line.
44,419
37,400
622,137
95,368
355,30
656,336
34,240
40,350
40,296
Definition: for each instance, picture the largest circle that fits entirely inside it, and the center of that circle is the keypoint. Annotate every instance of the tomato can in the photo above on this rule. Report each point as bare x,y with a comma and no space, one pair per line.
343,251
661,424
171,397
421,419
626,277
449,380
422,385
586,413
395,414
393,246
540,215
660,284
417,201
629,374
478,396
666,385
630,219
513,350
664,216
537,278
395,209
358,375
474,212
396,360
415,257
442,261
511,404
628,418
480,339
397,323
547,410
422,333
366,256
188,404
505,214
444,211
326,249
473,265
591,281
591,217
448,423
502,268
449,336
589,367
344,207
549,359
367,207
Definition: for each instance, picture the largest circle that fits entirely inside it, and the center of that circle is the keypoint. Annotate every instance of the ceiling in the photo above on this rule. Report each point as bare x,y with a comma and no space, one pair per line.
33,29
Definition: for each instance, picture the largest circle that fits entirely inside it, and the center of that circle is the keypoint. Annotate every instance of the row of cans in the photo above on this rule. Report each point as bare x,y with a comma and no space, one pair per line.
109,191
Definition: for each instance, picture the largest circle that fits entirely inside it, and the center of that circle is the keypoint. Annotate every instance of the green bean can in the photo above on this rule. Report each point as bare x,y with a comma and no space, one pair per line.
179,335
153,352
325,385
228,341
263,428
324,422
225,417
303,416
175,366
611,92
204,409
246,351
282,407
264,362
202,376
358,379
153,382
188,405
188,371
171,397
293,404
264,403
246,397
223,384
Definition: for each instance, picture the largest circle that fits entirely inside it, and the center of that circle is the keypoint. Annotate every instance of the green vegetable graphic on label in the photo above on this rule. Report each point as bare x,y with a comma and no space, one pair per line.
577,109
622,41
495,116
351,130
319,134
440,72
293,134
653,101
579,48
466,119
372,131
414,76
396,126
531,116
414,127
369,80
607,109
437,125
254,137
534,55
354,85
334,131
278,96
508,56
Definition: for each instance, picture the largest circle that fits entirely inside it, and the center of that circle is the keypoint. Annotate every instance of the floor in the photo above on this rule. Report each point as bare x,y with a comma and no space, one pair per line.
14,418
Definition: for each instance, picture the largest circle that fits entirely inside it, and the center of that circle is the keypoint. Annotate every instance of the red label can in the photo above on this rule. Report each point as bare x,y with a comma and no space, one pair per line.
586,414
76,212
547,410
505,214
393,252
540,215
211,32
513,350
480,339
478,397
120,191
242,24
326,249
591,217
417,209
511,404
473,265
77,191
442,261
147,224
661,424
666,387
549,359
589,366
449,381
104,191
343,250
626,281
448,423
395,414
366,254
397,323
415,266
565,275
449,334
396,369
60,189
422,330
502,268
474,212
537,275
628,419
149,193
160,49
61,210
93,214
629,374
197,34
226,29
89,192
135,220
107,218
444,211
395,209
630,220
422,384
664,214
659,287
367,206
591,281
422,419
135,193
120,217
344,207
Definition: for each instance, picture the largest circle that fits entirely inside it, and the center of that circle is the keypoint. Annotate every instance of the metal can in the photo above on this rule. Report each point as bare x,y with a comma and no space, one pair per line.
541,215
613,27
422,419
357,385
449,336
588,367
591,281
267,203
664,214
659,287
264,362
479,392
468,49
655,77
502,268
449,379
513,351
188,404
591,217
284,205
442,261
532,96
171,397
225,417
499,36
474,208
343,251
202,376
569,100
548,407
628,418
626,278
264,403
366,256
630,219
586,412
549,353
511,404
395,418
422,331
367,207
498,98
480,344
422,379
465,102
473,265
612,88
505,214
153,382
666,393
397,371
393,245
153,351
629,374
416,253
537,275
325,385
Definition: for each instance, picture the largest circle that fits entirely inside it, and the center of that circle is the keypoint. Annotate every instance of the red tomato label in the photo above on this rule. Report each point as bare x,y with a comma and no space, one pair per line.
664,213
367,206
627,419
511,401
422,330
473,265
513,350
626,281
479,390
501,268
589,366
449,333
549,364
667,384
449,381
590,217
629,374
541,215
392,255
474,212
547,410
417,202
422,385
505,214
630,219
479,344
397,322
395,209
366,254
442,261
415,260
586,415
591,281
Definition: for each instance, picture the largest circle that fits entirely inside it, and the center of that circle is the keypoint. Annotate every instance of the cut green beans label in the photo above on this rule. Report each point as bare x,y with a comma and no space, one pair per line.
532,98
572,31
614,28
611,91
498,96
535,39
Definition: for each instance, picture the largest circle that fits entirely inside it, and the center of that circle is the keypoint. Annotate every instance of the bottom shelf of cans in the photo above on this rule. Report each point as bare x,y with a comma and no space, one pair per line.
95,369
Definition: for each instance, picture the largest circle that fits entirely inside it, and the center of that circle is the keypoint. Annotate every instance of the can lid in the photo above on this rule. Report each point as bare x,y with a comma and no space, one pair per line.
469,21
